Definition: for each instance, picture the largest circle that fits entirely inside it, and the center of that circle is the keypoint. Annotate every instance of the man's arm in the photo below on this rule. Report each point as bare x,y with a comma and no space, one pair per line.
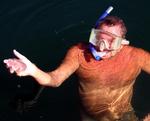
143,59
23,67
55,78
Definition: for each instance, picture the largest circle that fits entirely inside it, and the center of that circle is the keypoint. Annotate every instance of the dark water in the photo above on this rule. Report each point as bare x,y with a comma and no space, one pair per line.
43,30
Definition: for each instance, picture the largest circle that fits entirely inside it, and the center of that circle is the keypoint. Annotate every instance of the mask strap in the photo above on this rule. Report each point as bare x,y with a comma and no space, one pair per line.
125,42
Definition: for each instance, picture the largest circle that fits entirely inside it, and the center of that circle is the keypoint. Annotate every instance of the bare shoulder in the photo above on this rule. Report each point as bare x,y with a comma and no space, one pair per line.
147,118
79,46
136,50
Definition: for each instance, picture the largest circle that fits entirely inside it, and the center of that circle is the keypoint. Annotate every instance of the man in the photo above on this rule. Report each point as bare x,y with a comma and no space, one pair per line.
105,85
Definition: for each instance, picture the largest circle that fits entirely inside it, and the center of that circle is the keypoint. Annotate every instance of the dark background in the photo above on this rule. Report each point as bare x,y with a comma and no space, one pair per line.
43,30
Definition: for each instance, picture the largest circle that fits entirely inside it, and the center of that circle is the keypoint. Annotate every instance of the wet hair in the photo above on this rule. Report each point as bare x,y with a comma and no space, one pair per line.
112,21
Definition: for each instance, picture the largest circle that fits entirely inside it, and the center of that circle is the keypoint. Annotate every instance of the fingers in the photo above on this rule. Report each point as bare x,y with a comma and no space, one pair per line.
8,62
11,70
15,65
5,61
10,65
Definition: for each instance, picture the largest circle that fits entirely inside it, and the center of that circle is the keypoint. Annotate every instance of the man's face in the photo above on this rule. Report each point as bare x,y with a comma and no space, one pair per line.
116,30
108,35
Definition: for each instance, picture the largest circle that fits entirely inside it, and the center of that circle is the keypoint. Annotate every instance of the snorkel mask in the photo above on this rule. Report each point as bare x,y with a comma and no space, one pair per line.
102,45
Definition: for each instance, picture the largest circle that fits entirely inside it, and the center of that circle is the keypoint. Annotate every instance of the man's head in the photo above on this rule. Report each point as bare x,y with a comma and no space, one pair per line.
113,25
110,34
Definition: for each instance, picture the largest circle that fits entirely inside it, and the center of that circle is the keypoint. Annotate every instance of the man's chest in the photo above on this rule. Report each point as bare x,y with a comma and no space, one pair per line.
113,71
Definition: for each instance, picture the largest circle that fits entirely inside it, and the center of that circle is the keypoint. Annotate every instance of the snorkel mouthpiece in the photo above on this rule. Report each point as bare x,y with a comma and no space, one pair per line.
94,52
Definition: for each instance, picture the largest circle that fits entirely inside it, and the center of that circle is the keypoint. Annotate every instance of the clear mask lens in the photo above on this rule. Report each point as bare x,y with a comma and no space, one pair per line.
103,44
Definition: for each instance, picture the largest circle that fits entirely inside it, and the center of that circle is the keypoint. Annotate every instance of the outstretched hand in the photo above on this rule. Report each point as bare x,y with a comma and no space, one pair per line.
20,65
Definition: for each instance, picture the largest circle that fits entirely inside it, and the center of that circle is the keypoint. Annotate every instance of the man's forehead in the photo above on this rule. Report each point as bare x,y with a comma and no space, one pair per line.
102,32
112,30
